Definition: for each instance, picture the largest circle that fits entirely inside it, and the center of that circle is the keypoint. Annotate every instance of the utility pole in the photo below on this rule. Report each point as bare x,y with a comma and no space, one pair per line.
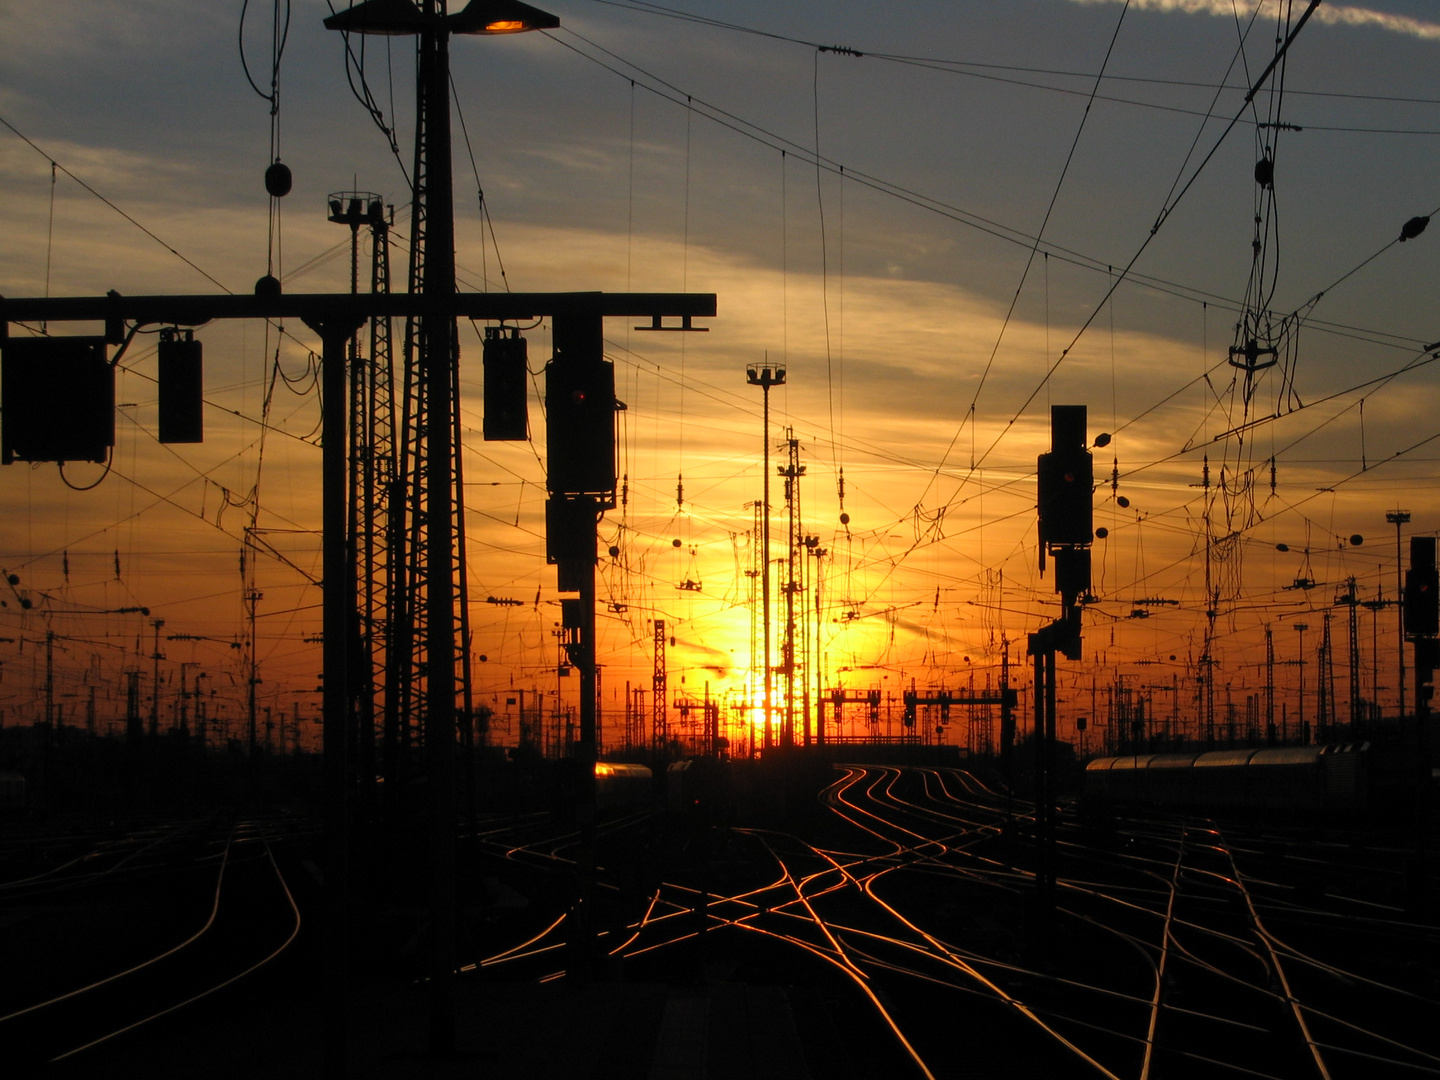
759,626
812,544
49,687
1325,685
201,735
133,729
1007,721
792,471
765,376
1300,628
372,480
659,713
1212,605
437,337
252,598
1351,601
1399,518
1269,686
182,696
156,657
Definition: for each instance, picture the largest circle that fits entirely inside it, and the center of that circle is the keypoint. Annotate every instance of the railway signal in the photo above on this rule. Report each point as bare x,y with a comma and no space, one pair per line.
580,413
506,376
1065,481
182,386
1422,589
1421,606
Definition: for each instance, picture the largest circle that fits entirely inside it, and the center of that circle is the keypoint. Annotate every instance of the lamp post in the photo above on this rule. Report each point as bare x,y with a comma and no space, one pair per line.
765,376
1398,518
433,25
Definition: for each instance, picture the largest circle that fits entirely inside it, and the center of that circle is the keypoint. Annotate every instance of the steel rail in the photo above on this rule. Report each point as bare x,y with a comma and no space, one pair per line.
294,932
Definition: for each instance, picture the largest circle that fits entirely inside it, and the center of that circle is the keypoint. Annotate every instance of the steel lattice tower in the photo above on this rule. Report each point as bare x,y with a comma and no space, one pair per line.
790,663
371,480
659,718
431,361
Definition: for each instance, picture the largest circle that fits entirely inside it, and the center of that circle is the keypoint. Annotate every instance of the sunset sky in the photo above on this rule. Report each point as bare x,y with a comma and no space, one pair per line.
921,221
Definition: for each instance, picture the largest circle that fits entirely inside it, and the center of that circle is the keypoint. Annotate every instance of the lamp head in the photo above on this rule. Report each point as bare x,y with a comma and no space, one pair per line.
402,17
392,18
501,17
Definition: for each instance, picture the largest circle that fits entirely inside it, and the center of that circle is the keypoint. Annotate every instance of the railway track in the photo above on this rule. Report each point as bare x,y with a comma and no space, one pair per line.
1175,948
901,919
242,922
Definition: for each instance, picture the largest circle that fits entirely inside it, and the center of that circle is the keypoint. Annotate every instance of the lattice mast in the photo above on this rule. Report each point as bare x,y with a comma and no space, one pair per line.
790,662
429,443
371,481
1269,684
755,682
659,724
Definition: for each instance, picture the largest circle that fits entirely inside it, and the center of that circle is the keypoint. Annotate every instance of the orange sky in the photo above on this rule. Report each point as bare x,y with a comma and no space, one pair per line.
886,330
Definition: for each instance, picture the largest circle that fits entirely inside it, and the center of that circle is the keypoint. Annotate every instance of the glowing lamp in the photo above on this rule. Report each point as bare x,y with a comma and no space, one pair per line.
400,17
501,17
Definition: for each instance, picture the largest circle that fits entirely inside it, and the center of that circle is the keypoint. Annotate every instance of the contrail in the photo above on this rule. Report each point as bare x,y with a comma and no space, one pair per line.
1335,14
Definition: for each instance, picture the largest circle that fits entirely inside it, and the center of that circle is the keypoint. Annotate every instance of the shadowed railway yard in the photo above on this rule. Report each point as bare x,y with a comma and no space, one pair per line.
719,540
884,920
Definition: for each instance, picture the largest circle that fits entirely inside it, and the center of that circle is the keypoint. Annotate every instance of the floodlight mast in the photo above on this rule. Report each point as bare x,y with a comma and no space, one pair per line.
766,376
433,273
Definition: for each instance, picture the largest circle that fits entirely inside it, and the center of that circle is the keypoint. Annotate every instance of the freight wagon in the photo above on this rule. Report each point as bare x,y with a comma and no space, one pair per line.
1275,779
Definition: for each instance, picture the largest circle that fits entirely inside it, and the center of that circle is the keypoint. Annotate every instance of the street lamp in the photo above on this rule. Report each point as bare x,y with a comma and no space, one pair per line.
399,18
765,376
431,21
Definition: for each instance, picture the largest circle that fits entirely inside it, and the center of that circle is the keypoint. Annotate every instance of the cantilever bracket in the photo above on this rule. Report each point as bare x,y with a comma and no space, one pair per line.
657,322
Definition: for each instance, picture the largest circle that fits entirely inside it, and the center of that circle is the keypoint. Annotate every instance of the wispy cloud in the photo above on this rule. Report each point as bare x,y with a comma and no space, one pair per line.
1335,14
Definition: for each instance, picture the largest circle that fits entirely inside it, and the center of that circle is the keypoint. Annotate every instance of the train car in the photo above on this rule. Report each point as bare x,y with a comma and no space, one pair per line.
1347,774
618,784
1271,780
1117,779
1224,778
699,792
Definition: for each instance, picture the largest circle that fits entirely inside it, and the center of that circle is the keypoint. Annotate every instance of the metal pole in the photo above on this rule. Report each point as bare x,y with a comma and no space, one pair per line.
50,738
1355,697
336,624
765,377
1048,749
1300,716
1398,518
155,688
1042,776
438,331
765,569
586,755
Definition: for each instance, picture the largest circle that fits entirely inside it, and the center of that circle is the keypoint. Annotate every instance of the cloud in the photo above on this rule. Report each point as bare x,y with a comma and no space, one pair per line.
1335,15
34,35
